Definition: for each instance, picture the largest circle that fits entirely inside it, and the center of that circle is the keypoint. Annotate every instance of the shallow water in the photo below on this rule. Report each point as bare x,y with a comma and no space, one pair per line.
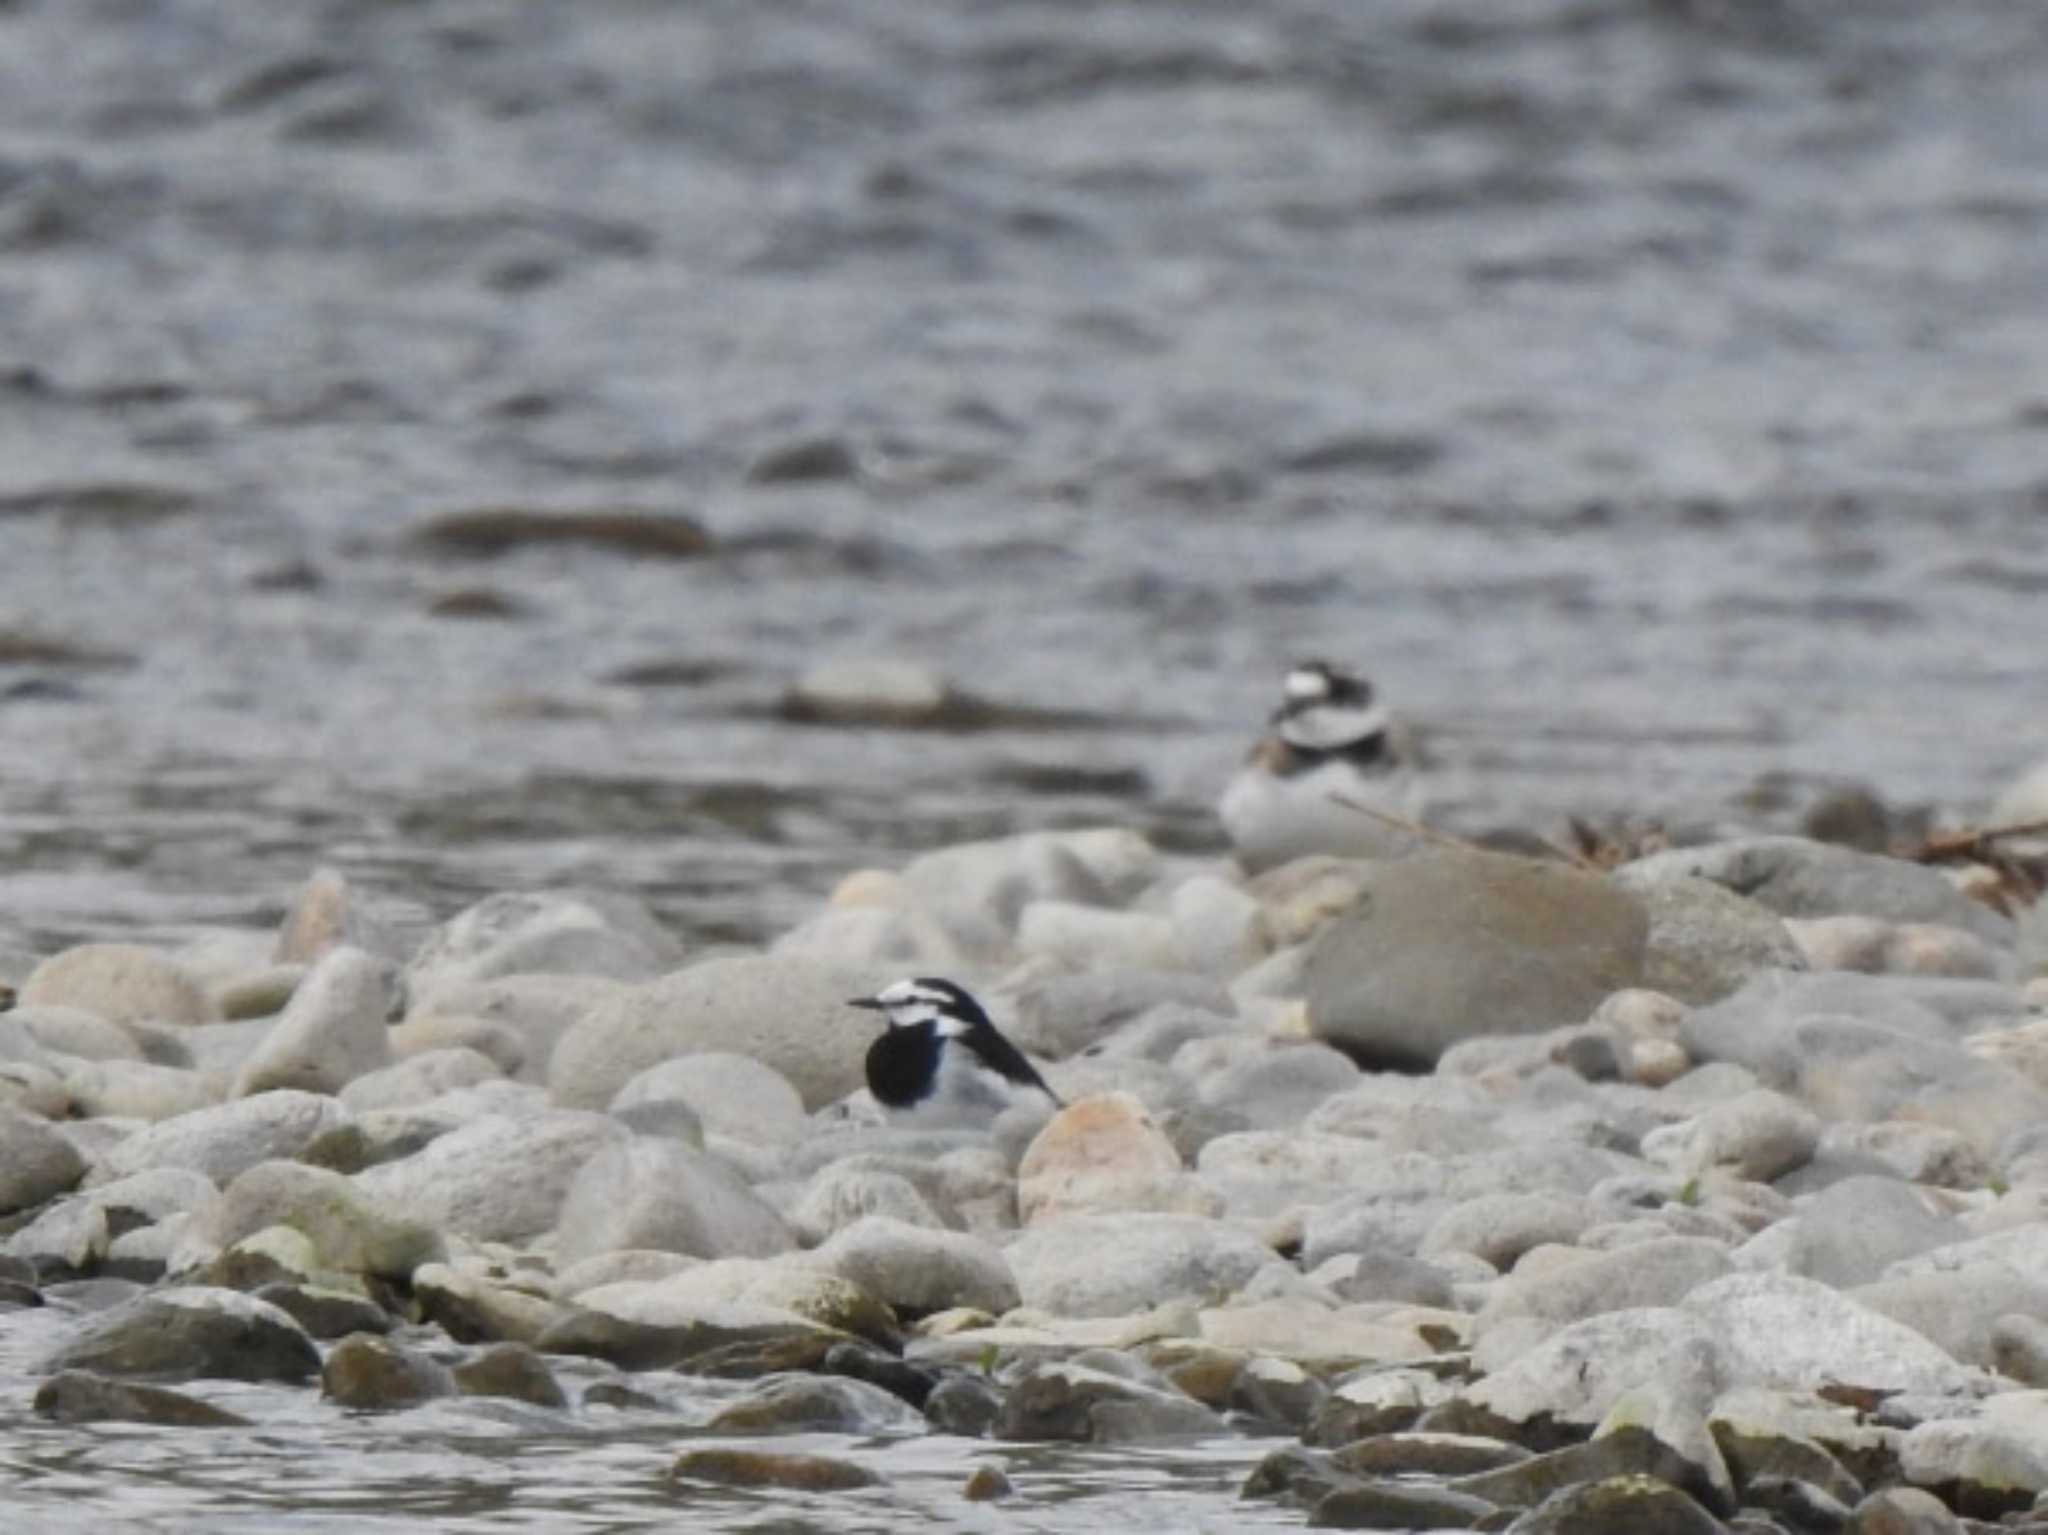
488,1465
1648,395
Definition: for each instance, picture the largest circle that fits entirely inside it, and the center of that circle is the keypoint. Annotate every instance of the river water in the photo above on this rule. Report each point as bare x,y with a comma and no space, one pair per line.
1649,393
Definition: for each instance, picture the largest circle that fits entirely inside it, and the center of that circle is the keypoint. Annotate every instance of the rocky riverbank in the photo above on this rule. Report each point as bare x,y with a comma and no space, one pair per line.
1709,1192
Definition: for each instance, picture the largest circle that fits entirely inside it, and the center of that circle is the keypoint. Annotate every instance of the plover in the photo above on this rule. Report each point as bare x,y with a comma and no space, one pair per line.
1330,741
941,1063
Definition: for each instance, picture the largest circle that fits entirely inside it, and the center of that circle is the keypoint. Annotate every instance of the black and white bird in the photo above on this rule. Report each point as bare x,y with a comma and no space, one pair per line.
1329,742
941,1063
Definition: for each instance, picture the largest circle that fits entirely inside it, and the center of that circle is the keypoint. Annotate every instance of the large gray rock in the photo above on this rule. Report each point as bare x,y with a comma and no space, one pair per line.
785,1012
1111,1265
1278,1089
74,1032
1444,946
121,982
918,1270
136,1090
561,932
1757,1137
730,1094
1792,1333
1798,878
349,1228
229,1138
36,1163
1958,1309
537,1009
1705,940
1850,1231
665,1196
193,1333
418,1079
500,1178
1989,1465
1523,1310
331,1032
1577,1374
1500,1228
1870,1048
841,1193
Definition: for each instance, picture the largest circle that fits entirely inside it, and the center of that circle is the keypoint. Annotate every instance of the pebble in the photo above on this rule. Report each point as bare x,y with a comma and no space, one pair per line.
730,1094
986,1484
559,932
1104,1153
331,1032
1659,1227
225,1140
917,1270
36,1163
121,983
500,1178
662,1194
788,1013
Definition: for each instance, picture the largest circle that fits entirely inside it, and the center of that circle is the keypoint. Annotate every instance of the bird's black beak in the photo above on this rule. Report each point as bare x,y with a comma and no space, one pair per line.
872,1004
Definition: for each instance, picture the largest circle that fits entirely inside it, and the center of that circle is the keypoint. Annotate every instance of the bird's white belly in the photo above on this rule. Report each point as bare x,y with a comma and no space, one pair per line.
965,1095
1271,819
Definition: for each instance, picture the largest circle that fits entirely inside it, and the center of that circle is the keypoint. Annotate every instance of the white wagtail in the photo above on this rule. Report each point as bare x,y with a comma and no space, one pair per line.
941,1063
1330,741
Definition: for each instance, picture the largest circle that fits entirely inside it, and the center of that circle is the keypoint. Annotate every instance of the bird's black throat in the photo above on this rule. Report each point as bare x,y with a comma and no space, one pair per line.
902,1064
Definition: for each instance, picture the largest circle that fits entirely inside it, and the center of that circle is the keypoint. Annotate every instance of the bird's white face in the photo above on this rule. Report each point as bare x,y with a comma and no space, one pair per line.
1306,685
908,1004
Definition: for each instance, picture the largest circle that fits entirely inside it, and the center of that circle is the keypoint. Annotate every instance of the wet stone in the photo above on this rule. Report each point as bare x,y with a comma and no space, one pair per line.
964,1405
376,1375
326,1314
820,1404
908,1382
616,1393
1619,1505
193,1333
1902,1511
763,1468
1427,1455
1074,1403
986,1484
1799,1504
1296,1474
76,1396
511,1370
1342,1421
687,1346
1277,1391
1397,1506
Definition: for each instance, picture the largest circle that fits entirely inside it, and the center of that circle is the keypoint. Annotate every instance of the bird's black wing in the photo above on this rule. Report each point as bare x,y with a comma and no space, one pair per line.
1004,1058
